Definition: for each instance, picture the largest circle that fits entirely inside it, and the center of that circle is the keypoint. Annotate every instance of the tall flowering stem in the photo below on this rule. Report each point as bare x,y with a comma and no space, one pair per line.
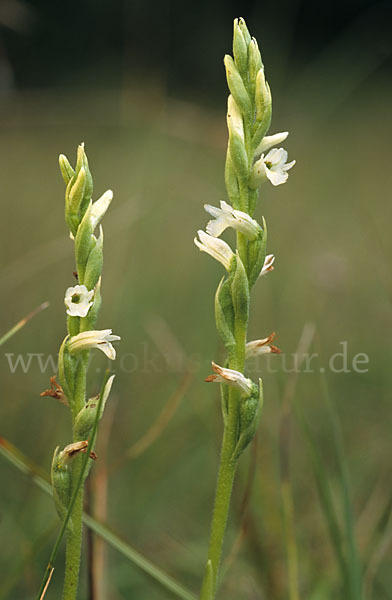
82,303
251,160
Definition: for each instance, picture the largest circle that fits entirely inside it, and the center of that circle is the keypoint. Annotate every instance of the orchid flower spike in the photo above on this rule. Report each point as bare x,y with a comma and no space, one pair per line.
231,377
263,346
94,339
226,216
216,248
78,300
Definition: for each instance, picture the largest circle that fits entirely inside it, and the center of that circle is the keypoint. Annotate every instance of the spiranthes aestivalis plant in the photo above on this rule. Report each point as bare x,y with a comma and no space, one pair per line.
252,159
82,303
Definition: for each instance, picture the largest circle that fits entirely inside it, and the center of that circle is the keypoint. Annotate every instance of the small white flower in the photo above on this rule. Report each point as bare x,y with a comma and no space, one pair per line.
273,166
94,339
268,265
262,346
215,247
227,216
99,208
269,141
78,300
231,377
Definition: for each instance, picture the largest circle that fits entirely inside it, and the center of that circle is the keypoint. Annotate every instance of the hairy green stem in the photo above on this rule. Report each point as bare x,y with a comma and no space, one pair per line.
226,473
74,536
224,488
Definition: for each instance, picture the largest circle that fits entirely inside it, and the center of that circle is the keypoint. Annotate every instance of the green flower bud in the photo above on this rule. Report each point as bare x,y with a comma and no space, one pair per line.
244,30
250,412
254,60
83,244
88,190
66,169
76,193
263,109
237,87
256,255
240,293
237,150
207,590
231,181
240,49
94,263
85,419
61,486
239,157
224,314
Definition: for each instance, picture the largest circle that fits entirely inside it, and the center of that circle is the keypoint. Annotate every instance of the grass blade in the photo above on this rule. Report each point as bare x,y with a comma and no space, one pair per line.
353,563
22,323
325,497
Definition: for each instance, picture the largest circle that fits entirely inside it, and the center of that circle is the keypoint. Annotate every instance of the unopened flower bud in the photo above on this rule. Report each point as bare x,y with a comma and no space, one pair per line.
66,169
240,49
237,87
85,419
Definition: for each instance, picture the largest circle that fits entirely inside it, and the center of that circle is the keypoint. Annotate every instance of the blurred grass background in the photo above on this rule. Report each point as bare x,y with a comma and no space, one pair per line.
157,138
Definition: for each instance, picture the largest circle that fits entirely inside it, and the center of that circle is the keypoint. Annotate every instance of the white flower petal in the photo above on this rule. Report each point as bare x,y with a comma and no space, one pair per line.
226,216
215,247
269,141
277,177
99,208
231,377
268,265
263,346
94,339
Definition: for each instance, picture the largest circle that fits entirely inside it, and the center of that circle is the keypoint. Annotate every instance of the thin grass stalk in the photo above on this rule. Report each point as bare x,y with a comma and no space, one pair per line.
4,338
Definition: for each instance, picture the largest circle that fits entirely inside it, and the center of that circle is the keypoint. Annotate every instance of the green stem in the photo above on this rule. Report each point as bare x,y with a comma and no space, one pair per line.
224,488
74,536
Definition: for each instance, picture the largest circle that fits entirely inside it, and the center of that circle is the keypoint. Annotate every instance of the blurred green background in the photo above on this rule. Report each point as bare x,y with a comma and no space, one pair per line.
143,86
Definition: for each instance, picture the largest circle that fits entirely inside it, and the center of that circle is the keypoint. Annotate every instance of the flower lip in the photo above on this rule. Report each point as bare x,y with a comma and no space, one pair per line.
276,165
78,300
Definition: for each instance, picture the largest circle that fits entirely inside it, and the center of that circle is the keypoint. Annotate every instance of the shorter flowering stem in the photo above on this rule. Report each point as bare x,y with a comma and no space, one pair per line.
226,474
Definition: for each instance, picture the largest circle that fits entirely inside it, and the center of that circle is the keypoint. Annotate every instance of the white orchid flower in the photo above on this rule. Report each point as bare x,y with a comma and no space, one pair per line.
226,216
273,166
231,377
94,339
268,265
263,346
215,247
78,300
